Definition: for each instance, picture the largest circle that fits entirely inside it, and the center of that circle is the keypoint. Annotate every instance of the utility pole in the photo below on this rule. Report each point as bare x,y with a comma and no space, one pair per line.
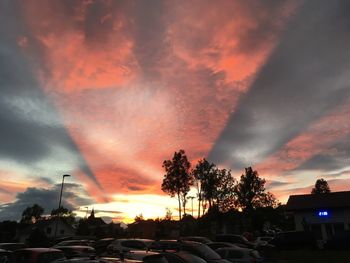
59,205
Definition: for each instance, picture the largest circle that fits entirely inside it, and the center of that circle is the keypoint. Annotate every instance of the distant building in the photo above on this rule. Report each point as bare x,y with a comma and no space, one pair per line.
47,226
325,215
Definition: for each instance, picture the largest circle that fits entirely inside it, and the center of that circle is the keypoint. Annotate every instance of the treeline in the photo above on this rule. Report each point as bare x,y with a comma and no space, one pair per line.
215,187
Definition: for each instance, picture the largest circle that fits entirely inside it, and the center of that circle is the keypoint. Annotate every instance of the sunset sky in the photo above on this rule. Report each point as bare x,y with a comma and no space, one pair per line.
107,90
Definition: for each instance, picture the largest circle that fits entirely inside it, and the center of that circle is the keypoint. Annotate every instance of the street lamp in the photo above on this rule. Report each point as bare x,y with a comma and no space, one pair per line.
59,204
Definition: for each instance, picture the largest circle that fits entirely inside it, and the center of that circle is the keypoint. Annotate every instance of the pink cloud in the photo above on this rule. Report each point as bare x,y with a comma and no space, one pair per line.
127,111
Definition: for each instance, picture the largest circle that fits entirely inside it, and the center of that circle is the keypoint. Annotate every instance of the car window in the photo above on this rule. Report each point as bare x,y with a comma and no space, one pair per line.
50,257
255,254
192,258
171,258
22,256
133,244
201,250
235,254
5,259
222,253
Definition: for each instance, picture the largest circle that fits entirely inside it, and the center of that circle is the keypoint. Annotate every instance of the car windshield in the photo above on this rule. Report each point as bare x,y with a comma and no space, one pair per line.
244,239
50,256
22,256
206,252
191,258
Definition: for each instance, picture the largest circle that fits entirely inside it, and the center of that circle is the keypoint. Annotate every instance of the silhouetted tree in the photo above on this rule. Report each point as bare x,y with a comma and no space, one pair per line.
224,194
321,187
139,218
30,212
210,183
178,179
200,173
267,200
168,214
64,213
250,191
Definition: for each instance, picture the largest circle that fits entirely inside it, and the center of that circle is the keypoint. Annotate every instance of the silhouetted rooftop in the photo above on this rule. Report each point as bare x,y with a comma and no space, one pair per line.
318,201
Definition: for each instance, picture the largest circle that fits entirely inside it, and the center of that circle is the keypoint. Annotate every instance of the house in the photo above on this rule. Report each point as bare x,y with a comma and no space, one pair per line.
325,215
47,226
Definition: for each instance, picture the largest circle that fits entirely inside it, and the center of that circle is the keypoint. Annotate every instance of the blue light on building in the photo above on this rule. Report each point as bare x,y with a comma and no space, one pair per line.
323,213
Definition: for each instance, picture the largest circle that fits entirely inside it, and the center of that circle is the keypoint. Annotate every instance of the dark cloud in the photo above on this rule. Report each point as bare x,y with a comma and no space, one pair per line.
305,77
273,184
31,129
149,36
332,162
46,180
45,197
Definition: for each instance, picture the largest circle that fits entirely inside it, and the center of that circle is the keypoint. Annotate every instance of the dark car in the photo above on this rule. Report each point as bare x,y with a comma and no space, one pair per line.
162,245
12,246
102,244
97,260
202,251
77,251
239,254
123,245
6,256
294,240
175,257
235,239
84,242
216,245
38,255
199,239
340,241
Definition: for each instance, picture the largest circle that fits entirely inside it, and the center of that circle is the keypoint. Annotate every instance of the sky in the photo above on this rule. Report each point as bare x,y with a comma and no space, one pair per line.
107,90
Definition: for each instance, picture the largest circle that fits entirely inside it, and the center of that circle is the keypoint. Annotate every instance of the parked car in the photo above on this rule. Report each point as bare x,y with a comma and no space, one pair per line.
38,255
216,245
6,256
202,251
199,239
262,241
12,246
84,242
175,257
294,240
239,254
137,254
238,240
98,260
339,241
77,251
117,260
161,245
124,245
102,244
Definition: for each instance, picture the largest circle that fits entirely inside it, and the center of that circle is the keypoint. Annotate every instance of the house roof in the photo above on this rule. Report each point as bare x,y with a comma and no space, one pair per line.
318,201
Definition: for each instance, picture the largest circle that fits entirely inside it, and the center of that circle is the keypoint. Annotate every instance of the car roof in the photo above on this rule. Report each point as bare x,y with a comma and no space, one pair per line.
58,247
147,241
11,244
39,249
234,248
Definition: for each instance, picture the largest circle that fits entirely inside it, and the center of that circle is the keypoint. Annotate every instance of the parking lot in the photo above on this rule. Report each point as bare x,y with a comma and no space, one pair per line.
310,256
